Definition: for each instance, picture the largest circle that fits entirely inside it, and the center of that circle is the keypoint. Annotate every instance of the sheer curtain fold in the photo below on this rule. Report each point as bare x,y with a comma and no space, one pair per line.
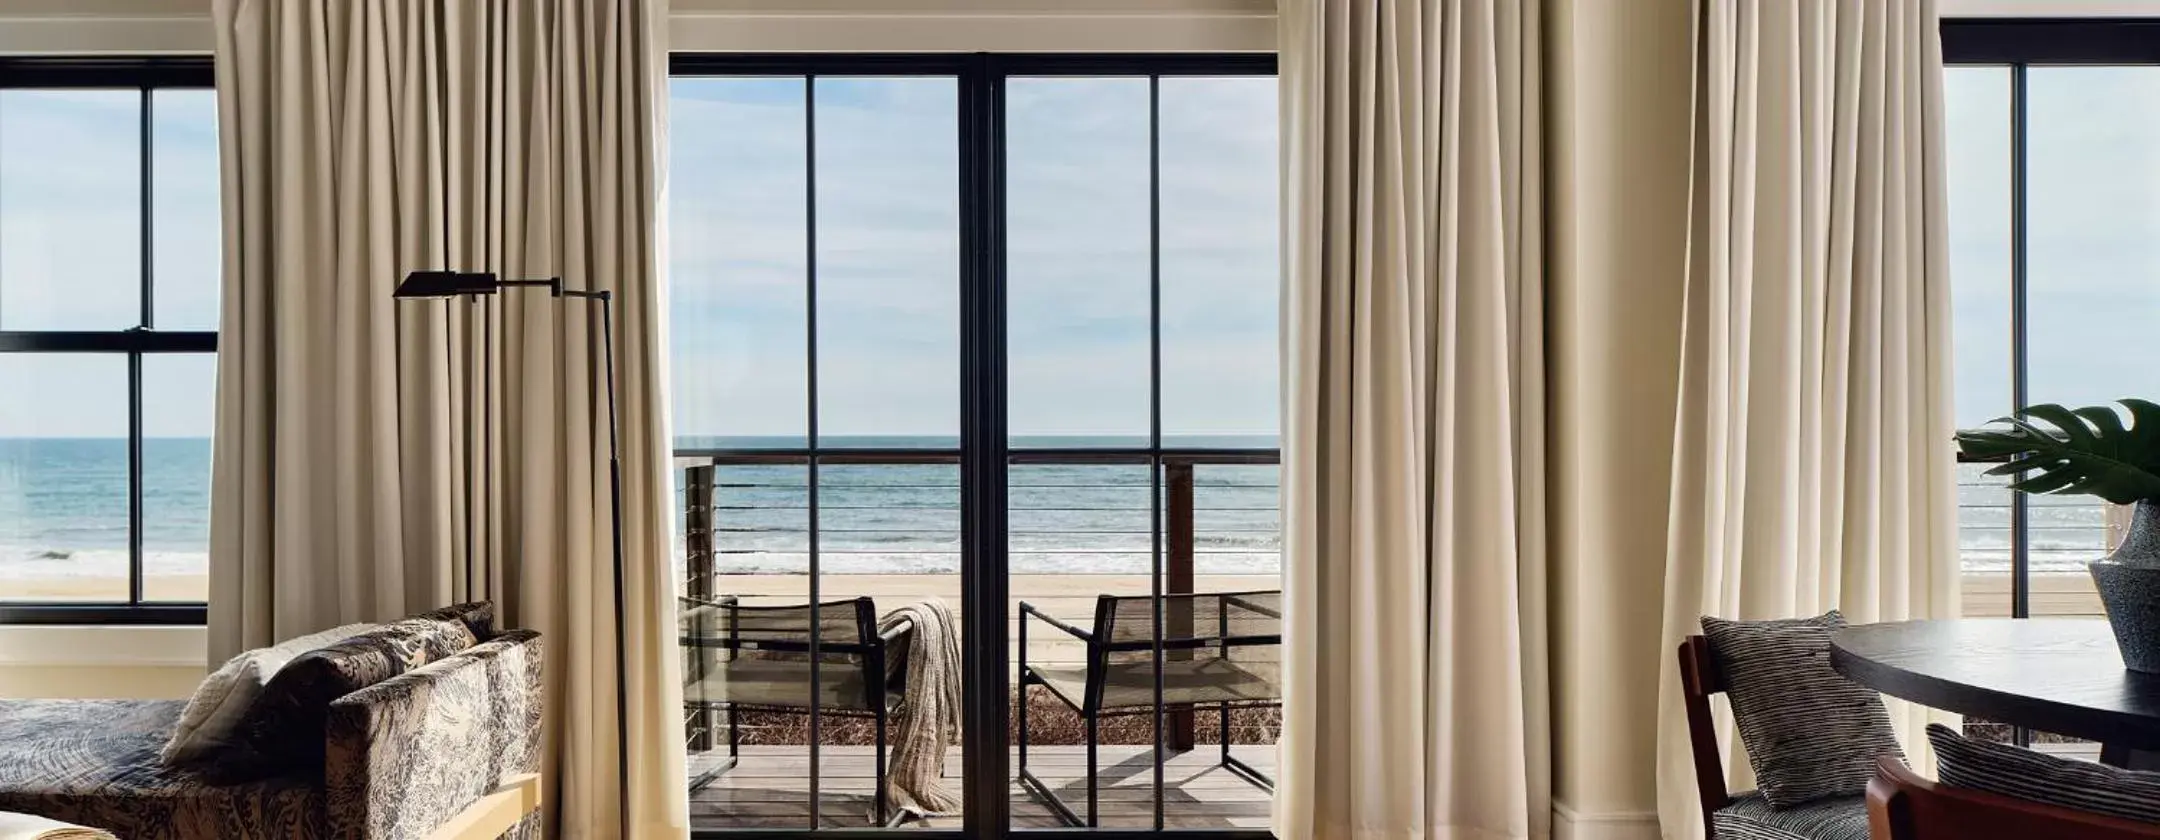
1415,672
379,457
1812,465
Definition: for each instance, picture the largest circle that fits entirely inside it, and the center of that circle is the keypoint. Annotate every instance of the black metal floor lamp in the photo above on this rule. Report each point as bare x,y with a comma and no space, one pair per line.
456,284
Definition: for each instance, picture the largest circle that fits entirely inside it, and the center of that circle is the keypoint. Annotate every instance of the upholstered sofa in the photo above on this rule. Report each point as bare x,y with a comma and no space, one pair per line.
426,740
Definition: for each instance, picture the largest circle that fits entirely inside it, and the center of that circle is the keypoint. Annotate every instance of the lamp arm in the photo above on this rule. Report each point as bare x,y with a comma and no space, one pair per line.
622,697
553,284
606,299
473,285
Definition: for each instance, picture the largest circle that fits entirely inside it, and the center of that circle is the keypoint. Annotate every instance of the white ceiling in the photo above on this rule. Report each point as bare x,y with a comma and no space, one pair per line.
2049,8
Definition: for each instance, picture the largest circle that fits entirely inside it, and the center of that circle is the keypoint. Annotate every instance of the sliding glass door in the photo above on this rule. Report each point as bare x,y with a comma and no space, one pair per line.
2050,135
1140,215
977,331
815,265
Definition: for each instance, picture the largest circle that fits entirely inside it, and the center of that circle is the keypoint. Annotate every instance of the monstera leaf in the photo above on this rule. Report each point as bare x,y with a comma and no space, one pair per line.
2086,451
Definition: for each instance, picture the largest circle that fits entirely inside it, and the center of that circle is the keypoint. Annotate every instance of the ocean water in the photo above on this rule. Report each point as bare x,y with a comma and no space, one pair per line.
892,519
63,514
64,507
905,518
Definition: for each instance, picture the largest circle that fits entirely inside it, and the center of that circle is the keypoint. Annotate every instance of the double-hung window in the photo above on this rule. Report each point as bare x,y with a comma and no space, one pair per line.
109,267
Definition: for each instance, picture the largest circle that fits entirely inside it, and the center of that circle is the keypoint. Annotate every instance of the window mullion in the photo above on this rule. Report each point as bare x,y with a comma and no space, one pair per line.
2020,506
135,478
148,316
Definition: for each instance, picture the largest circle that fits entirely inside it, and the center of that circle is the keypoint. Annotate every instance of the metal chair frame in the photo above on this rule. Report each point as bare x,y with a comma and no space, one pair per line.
1091,710
873,646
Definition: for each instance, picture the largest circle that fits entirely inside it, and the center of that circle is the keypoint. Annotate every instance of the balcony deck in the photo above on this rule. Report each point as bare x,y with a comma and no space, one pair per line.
769,788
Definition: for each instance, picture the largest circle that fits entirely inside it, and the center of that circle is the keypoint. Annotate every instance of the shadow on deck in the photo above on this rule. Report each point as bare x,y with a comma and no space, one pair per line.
770,788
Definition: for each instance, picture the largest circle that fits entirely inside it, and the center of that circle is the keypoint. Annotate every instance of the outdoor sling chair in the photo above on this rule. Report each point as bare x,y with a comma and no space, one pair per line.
739,658
1218,649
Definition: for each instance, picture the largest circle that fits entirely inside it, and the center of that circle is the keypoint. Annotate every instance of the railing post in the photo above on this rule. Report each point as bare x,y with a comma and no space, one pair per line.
698,556
1178,580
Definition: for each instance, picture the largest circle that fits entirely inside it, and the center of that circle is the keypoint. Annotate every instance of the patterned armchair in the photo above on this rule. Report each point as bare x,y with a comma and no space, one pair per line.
422,745
1217,649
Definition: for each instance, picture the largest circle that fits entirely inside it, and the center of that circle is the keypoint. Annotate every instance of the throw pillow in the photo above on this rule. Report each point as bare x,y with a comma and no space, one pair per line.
479,617
1810,733
215,710
282,731
2005,770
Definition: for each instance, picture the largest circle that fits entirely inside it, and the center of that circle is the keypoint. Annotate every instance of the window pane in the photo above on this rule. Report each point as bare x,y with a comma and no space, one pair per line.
70,210
891,533
1077,261
1220,278
2094,245
1077,532
184,222
888,270
1977,112
736,262
748,768
63,478
179,409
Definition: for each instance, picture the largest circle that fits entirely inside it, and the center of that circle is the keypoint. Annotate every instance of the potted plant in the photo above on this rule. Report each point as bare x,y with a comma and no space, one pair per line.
2089,451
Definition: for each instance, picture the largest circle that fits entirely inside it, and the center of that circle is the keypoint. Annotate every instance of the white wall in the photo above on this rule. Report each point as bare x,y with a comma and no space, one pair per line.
181,26
1619,106
105,662
972,25
2049,8
105,26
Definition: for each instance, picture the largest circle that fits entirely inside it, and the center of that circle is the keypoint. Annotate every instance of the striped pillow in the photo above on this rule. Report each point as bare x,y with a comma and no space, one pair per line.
2005,770
1810,733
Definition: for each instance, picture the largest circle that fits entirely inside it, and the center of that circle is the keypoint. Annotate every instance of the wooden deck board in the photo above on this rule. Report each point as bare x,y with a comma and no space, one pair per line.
769,788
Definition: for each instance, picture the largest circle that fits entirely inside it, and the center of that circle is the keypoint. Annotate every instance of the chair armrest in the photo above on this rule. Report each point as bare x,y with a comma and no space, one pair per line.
894,640
1902,804
415,753
689,603
900,628
1240,601
496,813
1027,609
692,613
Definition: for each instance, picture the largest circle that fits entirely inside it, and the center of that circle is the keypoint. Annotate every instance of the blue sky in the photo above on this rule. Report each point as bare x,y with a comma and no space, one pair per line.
888,256
888,251
2093,261
70,255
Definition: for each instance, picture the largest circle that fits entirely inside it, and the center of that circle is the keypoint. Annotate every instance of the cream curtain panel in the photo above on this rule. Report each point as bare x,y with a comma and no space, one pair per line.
1813,464
376,457
1413,459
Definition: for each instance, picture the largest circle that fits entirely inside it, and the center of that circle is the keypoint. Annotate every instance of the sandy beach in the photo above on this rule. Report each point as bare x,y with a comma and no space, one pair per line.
1070,597
182,588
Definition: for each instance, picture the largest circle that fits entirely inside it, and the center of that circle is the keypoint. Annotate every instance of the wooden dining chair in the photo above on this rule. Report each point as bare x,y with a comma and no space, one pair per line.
1700,679
1903,806
1747,815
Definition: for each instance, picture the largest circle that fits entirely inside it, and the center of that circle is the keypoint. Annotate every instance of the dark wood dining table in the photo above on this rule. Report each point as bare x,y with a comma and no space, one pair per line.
2058,675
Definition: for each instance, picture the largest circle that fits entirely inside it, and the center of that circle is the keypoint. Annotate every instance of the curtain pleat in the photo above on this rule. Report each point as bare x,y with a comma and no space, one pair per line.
1812,465
1414,567
376,457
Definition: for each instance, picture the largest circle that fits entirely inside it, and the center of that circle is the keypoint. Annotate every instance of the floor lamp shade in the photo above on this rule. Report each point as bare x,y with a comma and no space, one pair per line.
447,284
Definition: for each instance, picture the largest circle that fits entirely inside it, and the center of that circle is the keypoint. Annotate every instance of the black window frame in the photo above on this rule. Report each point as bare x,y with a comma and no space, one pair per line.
146,75
2018,44
985,450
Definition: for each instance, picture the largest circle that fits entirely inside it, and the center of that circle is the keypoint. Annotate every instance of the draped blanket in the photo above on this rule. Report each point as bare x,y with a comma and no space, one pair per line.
929,720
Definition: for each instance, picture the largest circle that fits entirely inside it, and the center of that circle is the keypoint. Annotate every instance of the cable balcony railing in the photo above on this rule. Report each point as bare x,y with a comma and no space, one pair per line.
795,526
2059,535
